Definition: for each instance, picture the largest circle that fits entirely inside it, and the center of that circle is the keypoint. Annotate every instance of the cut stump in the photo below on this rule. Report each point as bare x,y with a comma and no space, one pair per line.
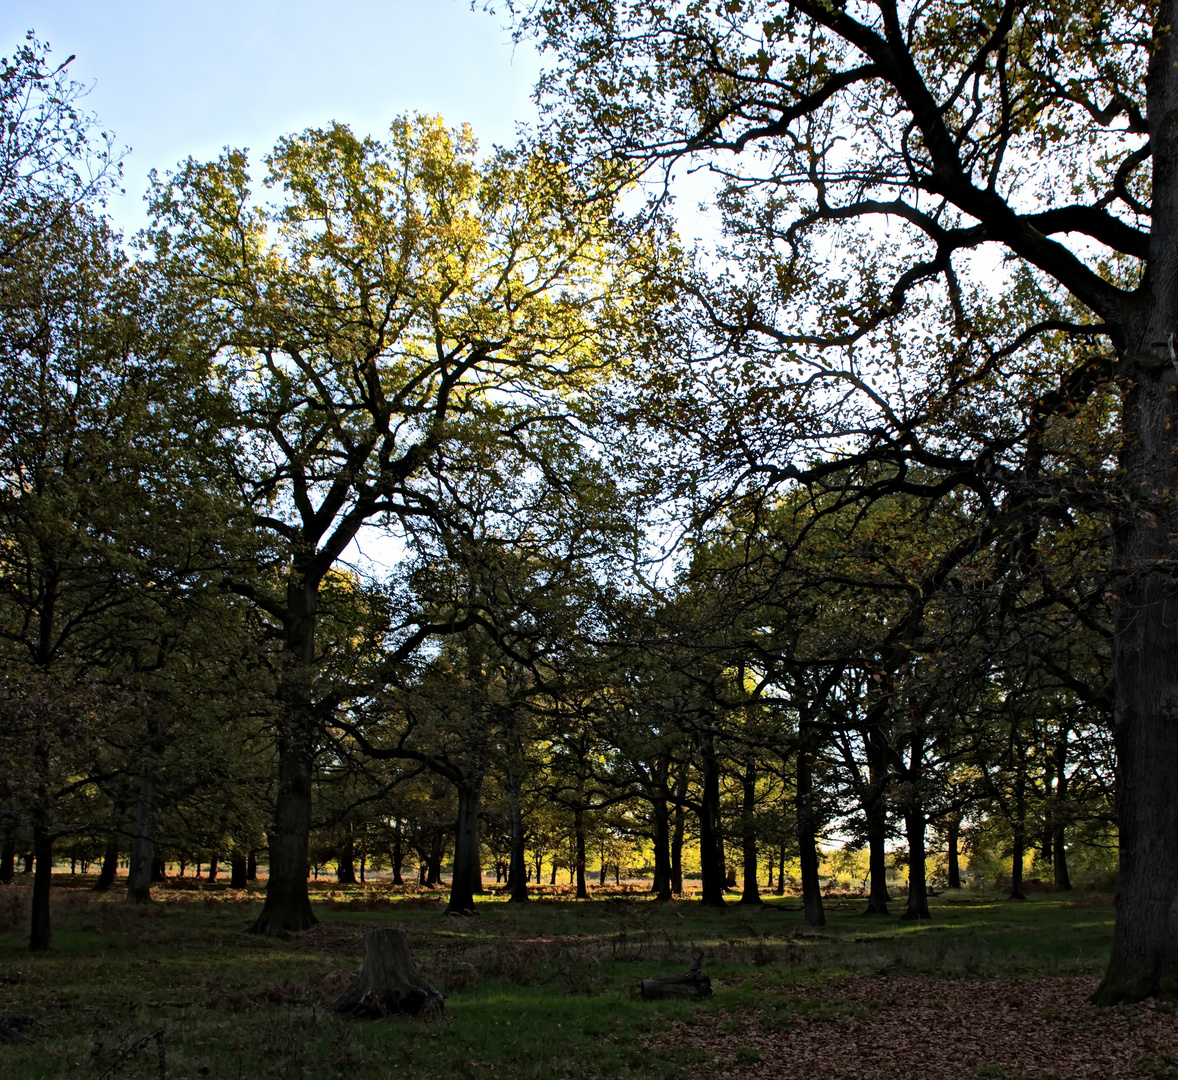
389,983
689,985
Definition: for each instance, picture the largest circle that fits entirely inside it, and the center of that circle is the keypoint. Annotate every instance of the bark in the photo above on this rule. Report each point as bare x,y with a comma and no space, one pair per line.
397,855
8,861
680,821
251,866
661,886
807,829
1144,958
517,876
40,931
287,908
579,853
237,870
345,863
751,893
876,810
1019,829
143,843
110,863
689,985
914,828
433,872
214,865
780,890
1060,859
711,857
954,862
466,847
389,982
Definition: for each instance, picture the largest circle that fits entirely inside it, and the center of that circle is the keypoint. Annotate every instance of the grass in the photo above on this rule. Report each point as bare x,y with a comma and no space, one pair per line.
541,990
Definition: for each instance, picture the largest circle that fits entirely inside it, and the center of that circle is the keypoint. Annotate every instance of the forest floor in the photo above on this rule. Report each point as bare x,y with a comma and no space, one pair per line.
989,988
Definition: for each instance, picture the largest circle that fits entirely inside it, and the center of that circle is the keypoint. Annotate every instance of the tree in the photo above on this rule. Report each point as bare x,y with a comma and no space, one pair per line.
398,304
1044,133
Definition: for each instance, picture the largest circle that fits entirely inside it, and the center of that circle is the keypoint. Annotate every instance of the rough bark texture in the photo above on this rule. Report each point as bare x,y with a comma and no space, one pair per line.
1144,958
389,982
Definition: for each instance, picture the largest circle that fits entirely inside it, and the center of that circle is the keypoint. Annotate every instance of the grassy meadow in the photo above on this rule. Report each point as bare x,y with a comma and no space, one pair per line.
538,990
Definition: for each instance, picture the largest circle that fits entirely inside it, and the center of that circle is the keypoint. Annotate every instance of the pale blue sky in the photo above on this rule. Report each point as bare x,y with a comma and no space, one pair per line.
173,79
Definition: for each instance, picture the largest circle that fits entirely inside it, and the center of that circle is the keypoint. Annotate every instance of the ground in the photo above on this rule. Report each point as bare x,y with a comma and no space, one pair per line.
989,988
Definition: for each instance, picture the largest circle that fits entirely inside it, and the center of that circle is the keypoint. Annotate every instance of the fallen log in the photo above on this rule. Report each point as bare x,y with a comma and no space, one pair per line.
691,984
389,983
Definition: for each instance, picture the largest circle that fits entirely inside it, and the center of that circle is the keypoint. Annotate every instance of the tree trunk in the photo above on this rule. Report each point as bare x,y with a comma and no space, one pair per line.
142,845
680,821
517,877
389,982
345,863
8,861
876,810
214,865
397,855
1144,958
1059,860
711,858
914,828
954,861
251,866
40,932
1019,828
466,847
287,908
579,853
110,863
780,890
751,892
433,864
807,830
661,886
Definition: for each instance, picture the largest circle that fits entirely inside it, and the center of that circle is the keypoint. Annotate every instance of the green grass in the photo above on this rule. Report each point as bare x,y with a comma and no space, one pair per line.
555,992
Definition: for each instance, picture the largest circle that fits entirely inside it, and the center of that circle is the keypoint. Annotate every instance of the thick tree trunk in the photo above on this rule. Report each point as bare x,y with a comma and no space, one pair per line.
1144,958
954,859
389,982
159,869
579,853
466,847
711,858
437,850
110,863
142,845
40,930
914,828
287,908
517,875
661,886
750,893
237,870
807,830
345,863
251,866
1060,860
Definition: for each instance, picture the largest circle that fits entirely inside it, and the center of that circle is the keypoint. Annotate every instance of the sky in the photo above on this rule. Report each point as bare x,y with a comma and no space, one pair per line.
177,79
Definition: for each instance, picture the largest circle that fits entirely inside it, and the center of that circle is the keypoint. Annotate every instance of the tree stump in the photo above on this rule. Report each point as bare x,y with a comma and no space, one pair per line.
689,985
389,984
